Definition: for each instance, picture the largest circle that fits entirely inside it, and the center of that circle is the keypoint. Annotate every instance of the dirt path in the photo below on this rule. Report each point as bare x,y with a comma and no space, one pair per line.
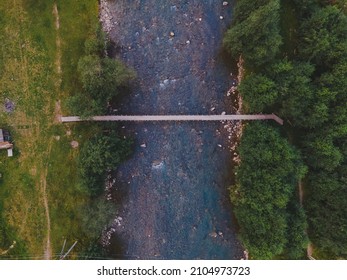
58,41
309,249
48,248
43,179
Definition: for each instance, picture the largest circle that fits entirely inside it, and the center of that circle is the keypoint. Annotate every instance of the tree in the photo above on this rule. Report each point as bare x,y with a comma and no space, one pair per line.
257,37
328,221
321,153
82,105
335,81
97,43
296,231
258,92
324,37
243,9
298,99
267,177
100,154
97,216
102,78
263,233
104,152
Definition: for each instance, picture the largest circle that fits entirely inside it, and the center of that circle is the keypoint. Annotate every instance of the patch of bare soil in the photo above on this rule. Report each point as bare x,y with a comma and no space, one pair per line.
48,248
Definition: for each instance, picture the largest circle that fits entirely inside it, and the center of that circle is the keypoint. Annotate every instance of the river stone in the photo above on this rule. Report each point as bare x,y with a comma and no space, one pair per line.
213,234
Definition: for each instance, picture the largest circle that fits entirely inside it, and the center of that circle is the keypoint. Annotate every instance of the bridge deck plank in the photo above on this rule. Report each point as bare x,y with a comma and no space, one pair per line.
175,118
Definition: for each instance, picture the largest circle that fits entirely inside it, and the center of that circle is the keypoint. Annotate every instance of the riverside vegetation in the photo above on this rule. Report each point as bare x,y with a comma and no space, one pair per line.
295,56
45,57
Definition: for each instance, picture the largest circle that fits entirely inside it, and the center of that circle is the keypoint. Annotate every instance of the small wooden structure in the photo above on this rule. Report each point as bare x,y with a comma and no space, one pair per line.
5,142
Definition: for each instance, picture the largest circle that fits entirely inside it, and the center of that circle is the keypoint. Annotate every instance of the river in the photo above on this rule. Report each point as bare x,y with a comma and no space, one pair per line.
174,188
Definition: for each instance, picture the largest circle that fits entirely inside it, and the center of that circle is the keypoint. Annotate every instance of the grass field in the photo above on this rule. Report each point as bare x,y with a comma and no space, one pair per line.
40,196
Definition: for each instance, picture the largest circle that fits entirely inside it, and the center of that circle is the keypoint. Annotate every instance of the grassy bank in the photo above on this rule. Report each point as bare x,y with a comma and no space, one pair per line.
36,44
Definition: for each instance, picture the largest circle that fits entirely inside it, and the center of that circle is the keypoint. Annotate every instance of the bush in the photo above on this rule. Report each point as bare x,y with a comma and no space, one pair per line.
100,154
101,78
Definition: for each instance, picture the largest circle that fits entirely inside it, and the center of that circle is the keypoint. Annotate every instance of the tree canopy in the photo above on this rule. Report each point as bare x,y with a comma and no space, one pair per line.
102,78
260,27
308,90
267,178
100,154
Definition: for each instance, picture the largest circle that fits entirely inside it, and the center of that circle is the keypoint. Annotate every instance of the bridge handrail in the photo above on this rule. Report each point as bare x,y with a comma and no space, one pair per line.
140,118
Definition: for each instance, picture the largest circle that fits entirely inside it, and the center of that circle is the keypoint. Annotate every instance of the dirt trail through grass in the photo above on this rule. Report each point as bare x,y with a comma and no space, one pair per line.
58,41
48,248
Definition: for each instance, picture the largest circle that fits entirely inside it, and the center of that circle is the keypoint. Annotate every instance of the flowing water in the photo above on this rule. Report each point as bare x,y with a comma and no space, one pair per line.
175,202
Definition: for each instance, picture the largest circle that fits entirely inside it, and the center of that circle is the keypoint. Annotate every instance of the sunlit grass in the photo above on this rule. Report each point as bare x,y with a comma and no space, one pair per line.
29,77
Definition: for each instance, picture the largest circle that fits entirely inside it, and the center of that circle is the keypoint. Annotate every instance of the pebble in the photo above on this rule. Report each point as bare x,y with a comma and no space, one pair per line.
143,146
213,234
225,3
221,17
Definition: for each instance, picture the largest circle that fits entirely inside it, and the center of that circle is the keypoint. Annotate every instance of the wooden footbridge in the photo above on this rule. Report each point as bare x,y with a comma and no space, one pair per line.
178,118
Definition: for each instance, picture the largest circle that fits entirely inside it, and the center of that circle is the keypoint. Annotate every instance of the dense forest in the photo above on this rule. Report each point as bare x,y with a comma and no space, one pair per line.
295,56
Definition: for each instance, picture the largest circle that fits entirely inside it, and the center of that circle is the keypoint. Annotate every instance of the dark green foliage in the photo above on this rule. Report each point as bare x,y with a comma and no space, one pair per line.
104,152
96,216
94,251
305,85
81,105
100,154
258,92
97,43
335,81
101,77
256,36
262,232
244,9
322,153
305,8
327,210
296,232
324,37
298,100
267,177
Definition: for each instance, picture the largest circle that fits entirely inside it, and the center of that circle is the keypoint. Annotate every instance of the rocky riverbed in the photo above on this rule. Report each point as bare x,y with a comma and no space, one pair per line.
174,188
